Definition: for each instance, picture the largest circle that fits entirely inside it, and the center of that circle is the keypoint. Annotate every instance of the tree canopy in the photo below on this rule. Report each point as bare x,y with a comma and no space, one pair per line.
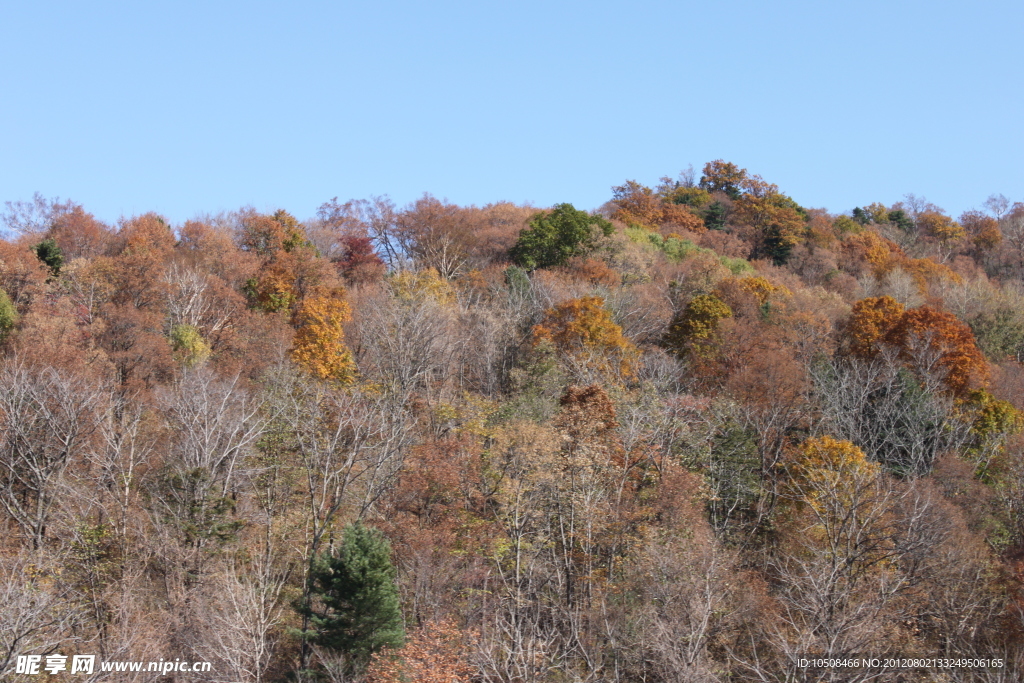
555,237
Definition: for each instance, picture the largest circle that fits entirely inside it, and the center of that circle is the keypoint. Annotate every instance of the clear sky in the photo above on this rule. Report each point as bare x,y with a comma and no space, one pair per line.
189,107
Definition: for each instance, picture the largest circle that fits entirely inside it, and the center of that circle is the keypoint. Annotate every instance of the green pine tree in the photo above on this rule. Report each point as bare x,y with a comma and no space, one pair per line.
49,253
355,608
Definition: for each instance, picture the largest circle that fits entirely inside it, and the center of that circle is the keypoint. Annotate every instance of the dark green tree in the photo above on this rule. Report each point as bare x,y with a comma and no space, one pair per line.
714,216
901,220
49,253
1000,333
554,238
861,216
355,608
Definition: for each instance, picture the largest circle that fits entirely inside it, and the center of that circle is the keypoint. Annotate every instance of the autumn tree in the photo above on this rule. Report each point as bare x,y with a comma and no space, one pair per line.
22,275
431,655
983,230
290,269
941,227
265,235
695,325
637,204
723,176
437,234
836,574
358,262
937,343
79,234
319,345
781,222
869,323
583,330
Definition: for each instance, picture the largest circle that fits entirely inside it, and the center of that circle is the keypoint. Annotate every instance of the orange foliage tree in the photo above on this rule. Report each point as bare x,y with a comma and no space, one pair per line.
870,320
937,341
932,341
584,329
873,252
639,205
319,345
290,268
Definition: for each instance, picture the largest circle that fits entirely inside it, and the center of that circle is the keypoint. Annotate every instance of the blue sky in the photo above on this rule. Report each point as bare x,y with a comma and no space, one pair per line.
191,107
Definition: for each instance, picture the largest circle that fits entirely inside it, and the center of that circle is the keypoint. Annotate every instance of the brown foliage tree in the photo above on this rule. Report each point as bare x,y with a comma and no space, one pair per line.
80,235
433,654
637,204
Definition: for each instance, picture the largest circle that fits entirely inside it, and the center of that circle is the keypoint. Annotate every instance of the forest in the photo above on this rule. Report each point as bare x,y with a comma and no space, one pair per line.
696,436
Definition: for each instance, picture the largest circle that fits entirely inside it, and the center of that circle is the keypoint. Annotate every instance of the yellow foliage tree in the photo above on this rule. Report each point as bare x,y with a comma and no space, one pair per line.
412,285
837,483
190,349
694,327
319,345
941,227
760,287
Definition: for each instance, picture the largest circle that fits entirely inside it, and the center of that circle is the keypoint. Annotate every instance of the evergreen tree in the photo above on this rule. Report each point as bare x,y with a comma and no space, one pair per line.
554,238
355,608
49,253
714,216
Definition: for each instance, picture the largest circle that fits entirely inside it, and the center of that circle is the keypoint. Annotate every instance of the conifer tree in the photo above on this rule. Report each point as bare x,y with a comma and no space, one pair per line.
358,611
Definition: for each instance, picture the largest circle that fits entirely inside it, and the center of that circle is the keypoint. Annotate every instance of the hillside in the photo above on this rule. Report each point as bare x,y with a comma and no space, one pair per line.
696,435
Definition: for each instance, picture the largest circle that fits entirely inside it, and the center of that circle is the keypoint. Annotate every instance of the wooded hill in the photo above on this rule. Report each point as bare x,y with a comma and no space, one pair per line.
693,436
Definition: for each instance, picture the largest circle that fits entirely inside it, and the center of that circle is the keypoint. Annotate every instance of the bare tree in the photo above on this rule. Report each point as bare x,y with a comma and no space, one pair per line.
898,418
688,602
405,345
128,442
46,416
37,614
212,424
244,612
